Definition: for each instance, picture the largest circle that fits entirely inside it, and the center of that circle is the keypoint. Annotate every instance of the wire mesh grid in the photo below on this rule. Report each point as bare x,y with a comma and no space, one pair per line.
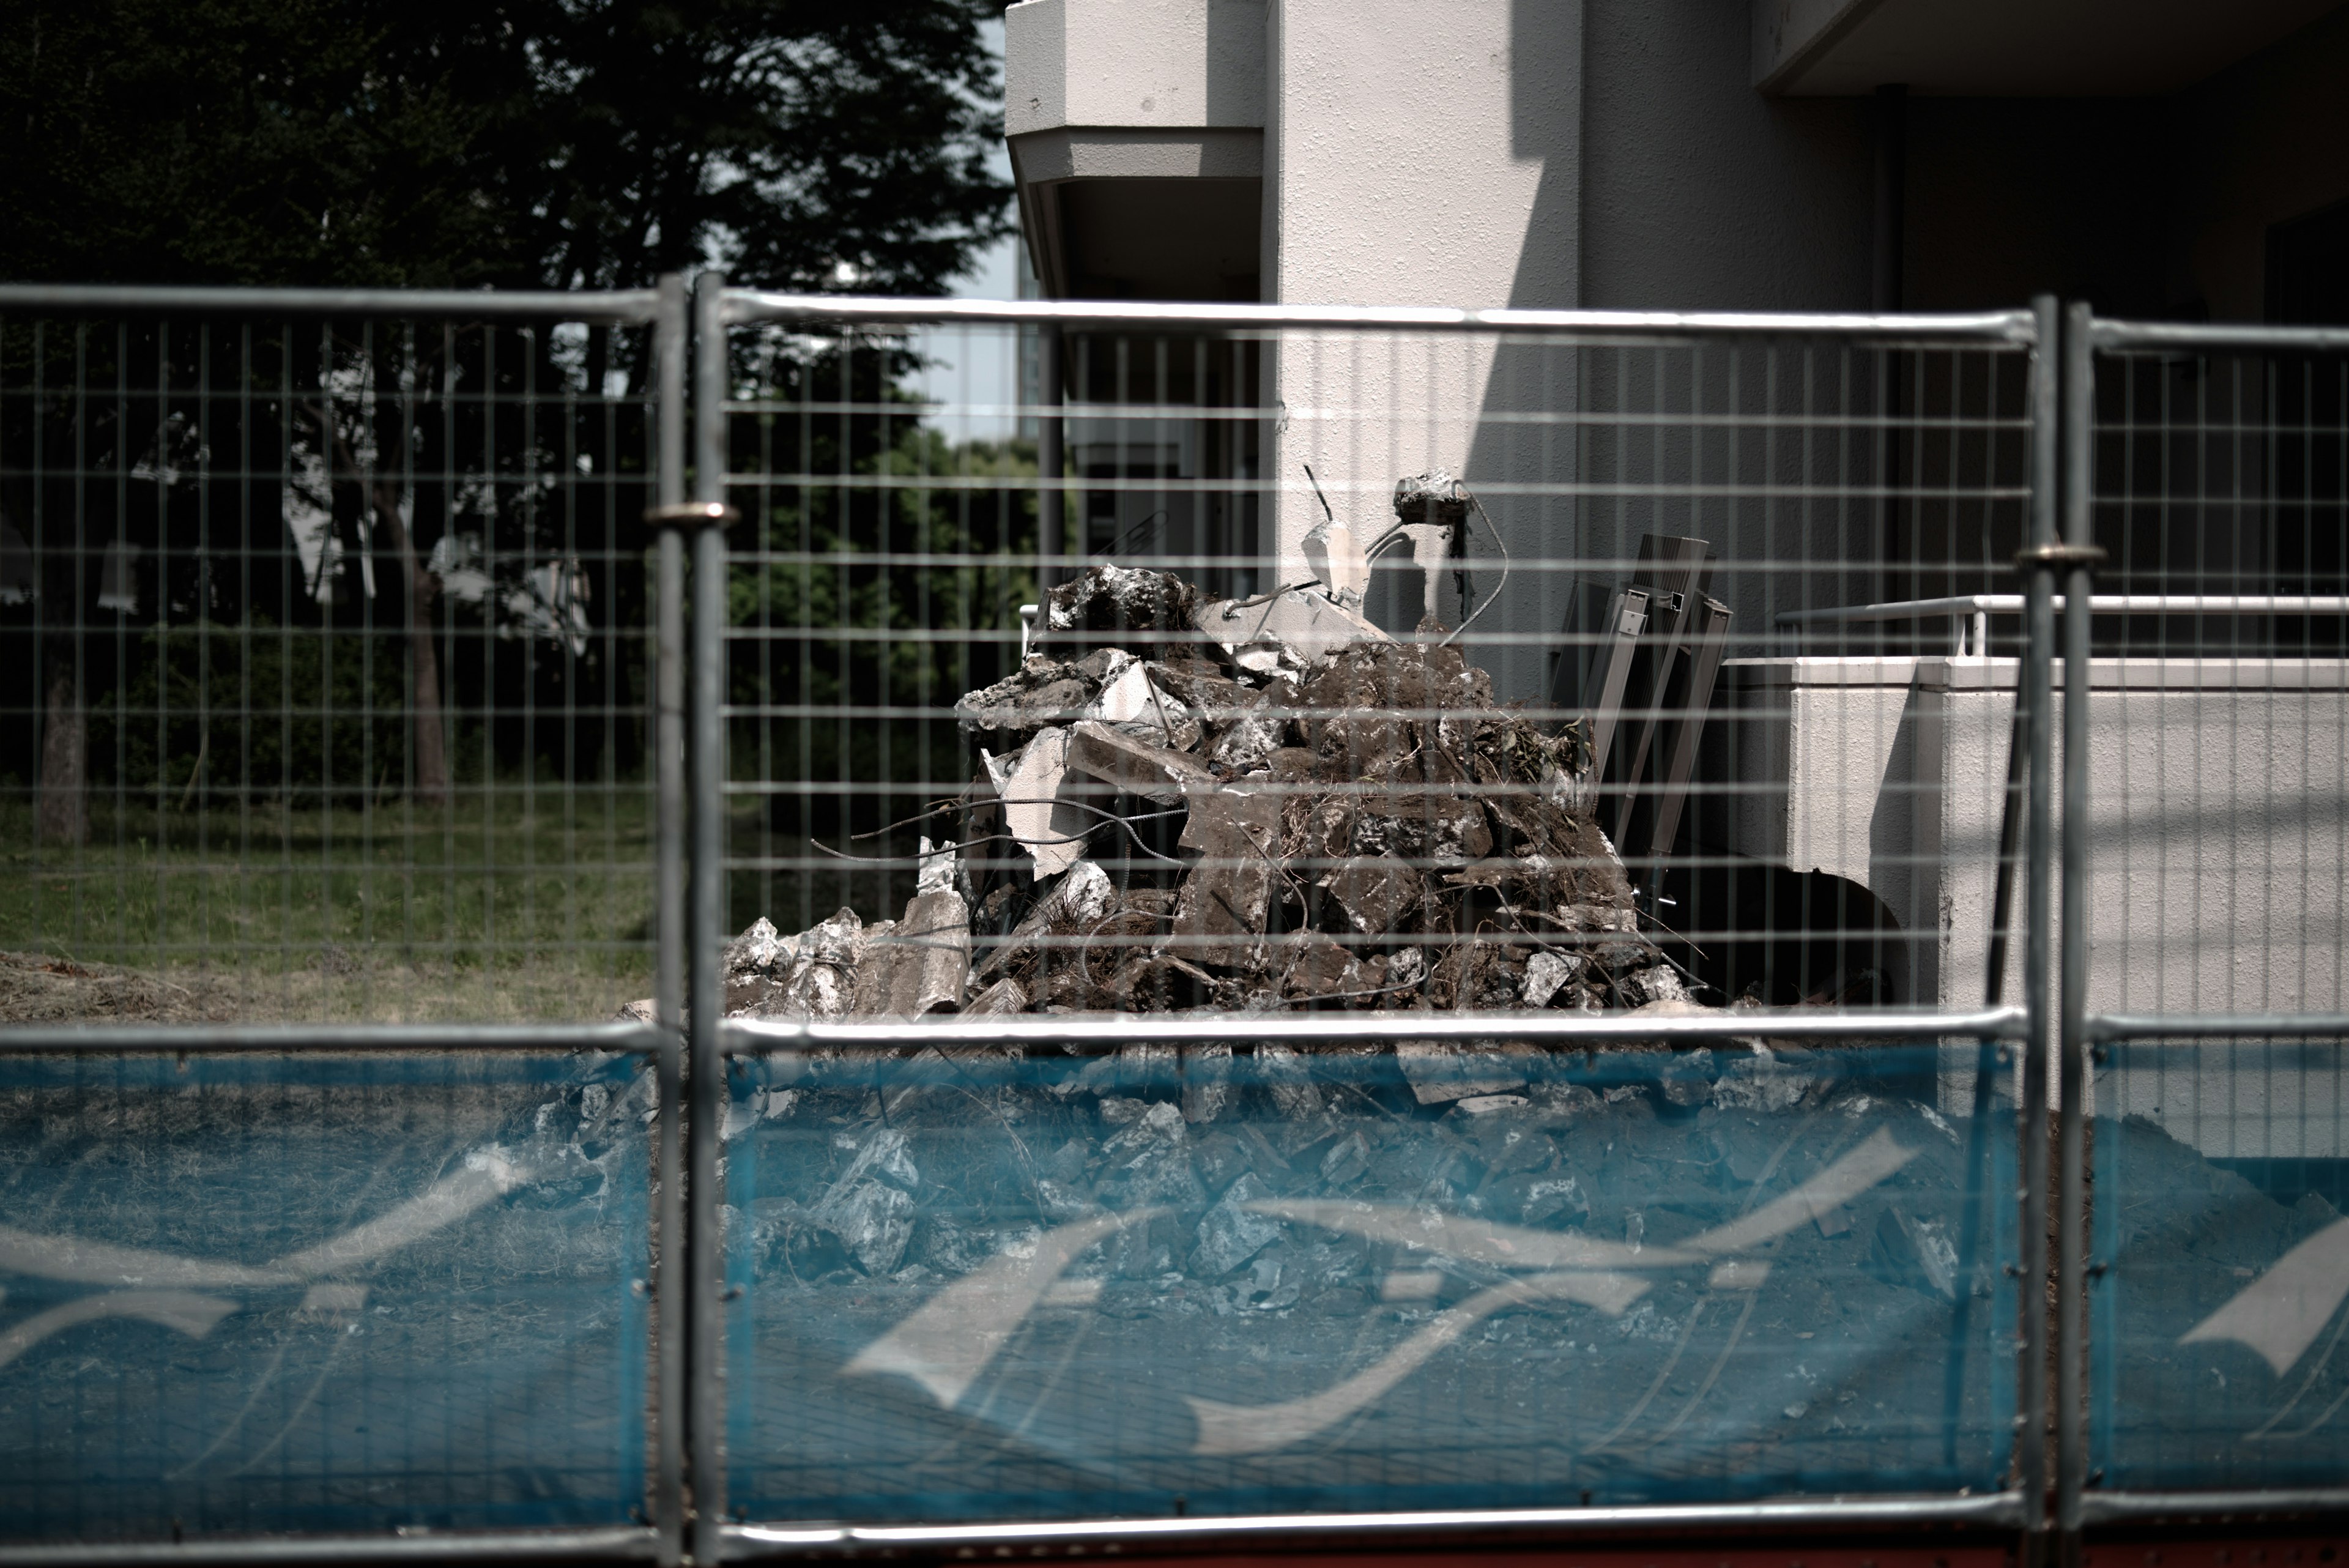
326,690
1290,673
1577,579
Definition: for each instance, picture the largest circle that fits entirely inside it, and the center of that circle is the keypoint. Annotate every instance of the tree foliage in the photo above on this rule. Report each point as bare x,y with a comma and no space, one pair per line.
554,143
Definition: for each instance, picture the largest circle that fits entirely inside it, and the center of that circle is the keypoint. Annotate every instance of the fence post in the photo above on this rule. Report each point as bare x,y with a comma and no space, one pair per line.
2036,693
706,1081
2079,559
671,335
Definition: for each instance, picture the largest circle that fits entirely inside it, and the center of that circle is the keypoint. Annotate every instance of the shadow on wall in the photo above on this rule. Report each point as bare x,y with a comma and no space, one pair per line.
1672,184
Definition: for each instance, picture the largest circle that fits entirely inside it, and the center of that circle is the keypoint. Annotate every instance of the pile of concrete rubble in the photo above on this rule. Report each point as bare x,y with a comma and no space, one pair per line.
1250,805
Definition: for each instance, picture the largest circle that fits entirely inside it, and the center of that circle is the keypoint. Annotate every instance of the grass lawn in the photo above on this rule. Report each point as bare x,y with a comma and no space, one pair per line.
515,901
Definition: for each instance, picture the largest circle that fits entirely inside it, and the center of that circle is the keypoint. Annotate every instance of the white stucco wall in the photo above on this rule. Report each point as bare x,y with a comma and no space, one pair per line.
1165,63
1415,157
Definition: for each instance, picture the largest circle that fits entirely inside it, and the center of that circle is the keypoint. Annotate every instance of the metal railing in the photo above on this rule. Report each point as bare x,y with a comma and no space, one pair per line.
1971,612
803,1241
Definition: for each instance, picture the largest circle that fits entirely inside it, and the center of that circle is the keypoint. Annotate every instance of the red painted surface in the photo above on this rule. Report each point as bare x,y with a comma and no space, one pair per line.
2219,1552
1972,1556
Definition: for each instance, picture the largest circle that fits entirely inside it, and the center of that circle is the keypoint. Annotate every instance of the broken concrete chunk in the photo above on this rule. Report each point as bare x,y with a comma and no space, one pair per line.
1320,968
1289,1080
1207,1081
1545,971
922,964
1374,892
871,1207
1439,1071
1760,1083
1119,605
1040,691
1050,829
1220,917
935,863
1296,629
811,975
1158,982
1154,772
1334,555
760,949
1149,1163
1232,1233
1686,1077
1346,1160
1658,989
1125,697
1085,894
1005,996
1907,1250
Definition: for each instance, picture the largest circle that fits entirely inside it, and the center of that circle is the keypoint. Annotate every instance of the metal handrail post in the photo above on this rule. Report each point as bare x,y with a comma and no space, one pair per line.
2037,694
671,335
706,1082
2071,1326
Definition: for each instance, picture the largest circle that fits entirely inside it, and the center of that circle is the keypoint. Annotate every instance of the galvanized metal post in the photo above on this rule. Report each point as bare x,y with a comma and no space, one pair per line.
2079,559
670,337
1052,501
706,1083
2037,694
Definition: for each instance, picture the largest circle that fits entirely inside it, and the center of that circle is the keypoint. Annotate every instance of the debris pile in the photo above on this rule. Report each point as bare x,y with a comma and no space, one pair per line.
1247,804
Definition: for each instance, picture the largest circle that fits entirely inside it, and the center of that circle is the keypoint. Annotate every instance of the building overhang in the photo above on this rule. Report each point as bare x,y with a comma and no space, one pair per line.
1137,144
1142,215
2010,49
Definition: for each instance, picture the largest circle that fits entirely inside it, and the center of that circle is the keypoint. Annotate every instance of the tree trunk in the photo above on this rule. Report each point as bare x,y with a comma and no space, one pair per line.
64,811
419,587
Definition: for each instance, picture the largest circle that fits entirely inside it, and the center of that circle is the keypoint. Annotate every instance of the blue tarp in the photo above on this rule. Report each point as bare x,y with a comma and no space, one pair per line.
1159,1284
2217,1325
307,1293
251,1294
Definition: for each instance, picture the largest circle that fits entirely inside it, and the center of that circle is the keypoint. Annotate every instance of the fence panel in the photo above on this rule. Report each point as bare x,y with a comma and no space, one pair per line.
327,719
1299,735
324,686
2206,965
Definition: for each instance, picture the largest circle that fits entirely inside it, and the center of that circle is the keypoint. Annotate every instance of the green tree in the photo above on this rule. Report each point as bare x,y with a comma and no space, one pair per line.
804,144
514,143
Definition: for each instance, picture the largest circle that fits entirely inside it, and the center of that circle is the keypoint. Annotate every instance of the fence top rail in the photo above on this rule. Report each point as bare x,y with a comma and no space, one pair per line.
2217,1027
1210,1028
2199,335
45,1038
2099,603
743,307
624,307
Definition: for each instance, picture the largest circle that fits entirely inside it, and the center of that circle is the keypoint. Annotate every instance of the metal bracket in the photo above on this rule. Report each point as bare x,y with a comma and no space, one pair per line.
692,513
2059,556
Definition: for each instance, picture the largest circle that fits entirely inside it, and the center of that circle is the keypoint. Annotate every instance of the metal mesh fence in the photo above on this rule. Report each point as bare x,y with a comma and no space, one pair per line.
1296,915
326,690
